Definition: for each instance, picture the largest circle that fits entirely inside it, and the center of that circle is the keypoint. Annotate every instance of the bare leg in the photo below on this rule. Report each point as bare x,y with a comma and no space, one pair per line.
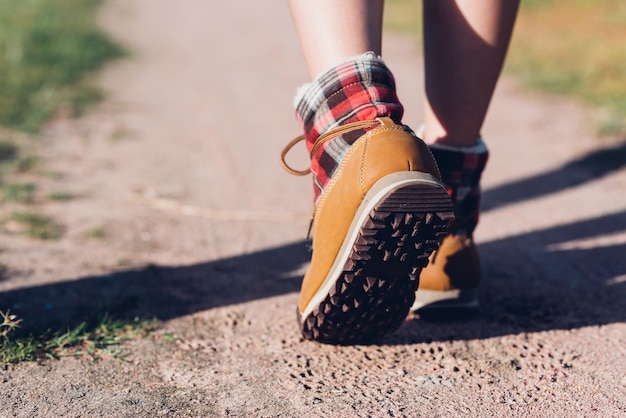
465,42
332,31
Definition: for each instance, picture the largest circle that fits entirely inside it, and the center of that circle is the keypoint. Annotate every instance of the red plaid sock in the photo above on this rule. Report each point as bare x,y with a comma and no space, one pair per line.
460,172
362,88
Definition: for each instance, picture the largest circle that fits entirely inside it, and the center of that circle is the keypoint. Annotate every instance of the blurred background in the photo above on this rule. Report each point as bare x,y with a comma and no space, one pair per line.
50,49
570,48
49,53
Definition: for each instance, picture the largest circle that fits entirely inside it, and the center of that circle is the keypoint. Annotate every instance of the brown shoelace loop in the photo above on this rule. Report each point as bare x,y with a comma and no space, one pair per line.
283,154
333,133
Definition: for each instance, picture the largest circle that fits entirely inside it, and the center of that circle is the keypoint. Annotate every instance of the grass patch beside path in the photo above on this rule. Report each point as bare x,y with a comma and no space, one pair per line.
34,225
576,48
101,339
47,47
48,50
573,48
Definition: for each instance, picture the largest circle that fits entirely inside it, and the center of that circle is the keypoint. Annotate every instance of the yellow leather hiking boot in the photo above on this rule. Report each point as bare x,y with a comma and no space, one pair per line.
451,279
382,214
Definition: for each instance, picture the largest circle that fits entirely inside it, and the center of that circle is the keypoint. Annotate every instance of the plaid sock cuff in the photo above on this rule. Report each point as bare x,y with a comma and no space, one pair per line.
361,88
461,172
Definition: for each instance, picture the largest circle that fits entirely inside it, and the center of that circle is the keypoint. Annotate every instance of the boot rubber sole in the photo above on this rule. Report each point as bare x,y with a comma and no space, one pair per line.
427,300
371,285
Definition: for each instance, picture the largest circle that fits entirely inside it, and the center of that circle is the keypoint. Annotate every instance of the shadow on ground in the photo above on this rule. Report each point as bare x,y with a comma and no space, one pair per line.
537,281
590,167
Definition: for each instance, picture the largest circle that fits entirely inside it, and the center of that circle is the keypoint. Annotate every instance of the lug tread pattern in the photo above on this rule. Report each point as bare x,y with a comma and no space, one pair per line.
376,289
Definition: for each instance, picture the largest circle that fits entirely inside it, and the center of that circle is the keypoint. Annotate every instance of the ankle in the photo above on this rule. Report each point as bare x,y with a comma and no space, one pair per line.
359,89
461,169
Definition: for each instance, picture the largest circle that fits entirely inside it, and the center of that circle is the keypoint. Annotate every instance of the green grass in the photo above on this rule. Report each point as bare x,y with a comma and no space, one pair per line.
47,50
36,225
61,196
22,193
571,48
16,165
404,16
95,233
25,164
575,48
103,338
19,192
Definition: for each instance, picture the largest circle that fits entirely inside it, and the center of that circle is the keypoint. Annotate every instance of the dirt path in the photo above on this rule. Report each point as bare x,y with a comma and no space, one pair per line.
187,216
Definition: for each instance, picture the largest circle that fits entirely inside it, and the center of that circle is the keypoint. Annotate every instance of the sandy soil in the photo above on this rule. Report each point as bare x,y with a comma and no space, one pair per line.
199,227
